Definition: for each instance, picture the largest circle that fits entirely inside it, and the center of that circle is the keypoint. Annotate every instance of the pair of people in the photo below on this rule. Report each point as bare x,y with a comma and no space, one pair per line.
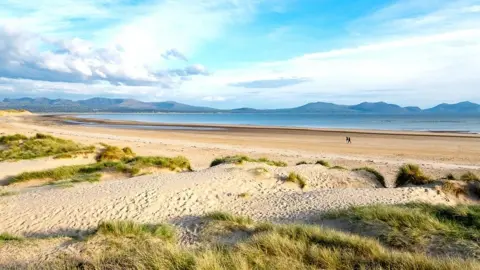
349,140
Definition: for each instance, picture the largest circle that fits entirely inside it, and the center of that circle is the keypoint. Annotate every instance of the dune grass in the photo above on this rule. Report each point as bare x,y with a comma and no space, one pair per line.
324,163
337,167
419,227
296,178
261,246
450,176
380,178
6,237
469,177
238,159
93,172
114,153
411,174
21,147
302,163
456,189
131,229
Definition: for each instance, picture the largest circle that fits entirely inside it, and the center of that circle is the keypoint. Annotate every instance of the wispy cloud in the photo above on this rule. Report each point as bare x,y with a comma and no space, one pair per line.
276,83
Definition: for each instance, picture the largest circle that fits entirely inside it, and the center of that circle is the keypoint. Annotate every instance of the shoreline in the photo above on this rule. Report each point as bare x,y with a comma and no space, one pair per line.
139,125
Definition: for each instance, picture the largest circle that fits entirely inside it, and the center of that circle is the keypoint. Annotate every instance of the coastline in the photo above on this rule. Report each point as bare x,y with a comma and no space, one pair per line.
105,123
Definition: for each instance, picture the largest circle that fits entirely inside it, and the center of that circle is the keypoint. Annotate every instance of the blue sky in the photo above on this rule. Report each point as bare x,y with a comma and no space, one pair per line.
242,53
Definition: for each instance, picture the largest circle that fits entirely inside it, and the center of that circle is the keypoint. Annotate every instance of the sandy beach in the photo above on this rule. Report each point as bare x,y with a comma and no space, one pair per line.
179,198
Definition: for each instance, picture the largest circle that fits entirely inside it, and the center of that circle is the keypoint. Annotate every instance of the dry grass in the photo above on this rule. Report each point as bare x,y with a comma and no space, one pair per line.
469,177
242,159
7,193
456,189
21,147
380,178
113,153
324,163
6,237
302,163
296,178
411,174
120,228
338,168
244,195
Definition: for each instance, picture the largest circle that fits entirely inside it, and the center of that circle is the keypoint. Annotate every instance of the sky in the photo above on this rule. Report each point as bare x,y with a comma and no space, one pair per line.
242,53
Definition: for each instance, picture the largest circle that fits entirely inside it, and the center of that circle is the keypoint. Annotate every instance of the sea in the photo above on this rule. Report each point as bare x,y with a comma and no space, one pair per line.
408,122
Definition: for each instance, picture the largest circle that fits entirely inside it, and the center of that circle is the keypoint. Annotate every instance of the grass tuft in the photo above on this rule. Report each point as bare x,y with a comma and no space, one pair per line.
244,195
132,229
5,237
456,189
296,178
380,178
411,174
324,163
469,177
338,168
113,153
238,159
222,216
302,163
19,147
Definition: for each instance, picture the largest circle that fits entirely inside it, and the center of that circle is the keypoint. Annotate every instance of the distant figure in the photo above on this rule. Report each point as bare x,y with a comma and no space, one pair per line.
346,139
349,140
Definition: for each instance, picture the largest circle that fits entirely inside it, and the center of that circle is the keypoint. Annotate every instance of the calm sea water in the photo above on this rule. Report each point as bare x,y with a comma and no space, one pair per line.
456,123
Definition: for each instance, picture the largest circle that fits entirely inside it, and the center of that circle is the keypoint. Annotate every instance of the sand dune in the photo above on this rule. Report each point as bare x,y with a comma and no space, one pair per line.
170,197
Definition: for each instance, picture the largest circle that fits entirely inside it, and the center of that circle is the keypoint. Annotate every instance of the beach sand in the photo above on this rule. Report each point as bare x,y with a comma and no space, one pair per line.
181,197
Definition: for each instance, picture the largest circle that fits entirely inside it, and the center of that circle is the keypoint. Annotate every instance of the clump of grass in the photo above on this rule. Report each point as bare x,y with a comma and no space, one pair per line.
238,159
338,168
453,188
131,229
260,171
324,163
411,174
302,163
6,237
7,193
223,216
92,172
113,153
450,176
417,227
380,178
244,195
21,147
469,177
296,178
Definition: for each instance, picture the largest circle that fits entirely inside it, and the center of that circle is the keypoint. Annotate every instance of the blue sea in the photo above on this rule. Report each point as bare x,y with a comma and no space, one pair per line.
420,122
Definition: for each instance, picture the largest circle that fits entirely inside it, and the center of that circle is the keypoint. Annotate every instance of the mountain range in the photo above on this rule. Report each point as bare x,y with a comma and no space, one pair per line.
132,105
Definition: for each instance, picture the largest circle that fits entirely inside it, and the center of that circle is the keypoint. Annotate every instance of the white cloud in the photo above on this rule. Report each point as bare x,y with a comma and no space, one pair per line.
214,98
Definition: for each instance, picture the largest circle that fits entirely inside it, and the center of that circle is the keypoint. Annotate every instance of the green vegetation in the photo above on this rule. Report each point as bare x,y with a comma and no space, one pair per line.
324,163
113,153
338,168
296,178
259,171
411,174
132,229
5,237
380,178
419,227
21,147
242,159
231,242
244,195
469,177
92,172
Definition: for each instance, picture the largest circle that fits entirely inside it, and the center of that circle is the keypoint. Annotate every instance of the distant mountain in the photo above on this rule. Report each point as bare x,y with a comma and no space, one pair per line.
132,105
462,107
